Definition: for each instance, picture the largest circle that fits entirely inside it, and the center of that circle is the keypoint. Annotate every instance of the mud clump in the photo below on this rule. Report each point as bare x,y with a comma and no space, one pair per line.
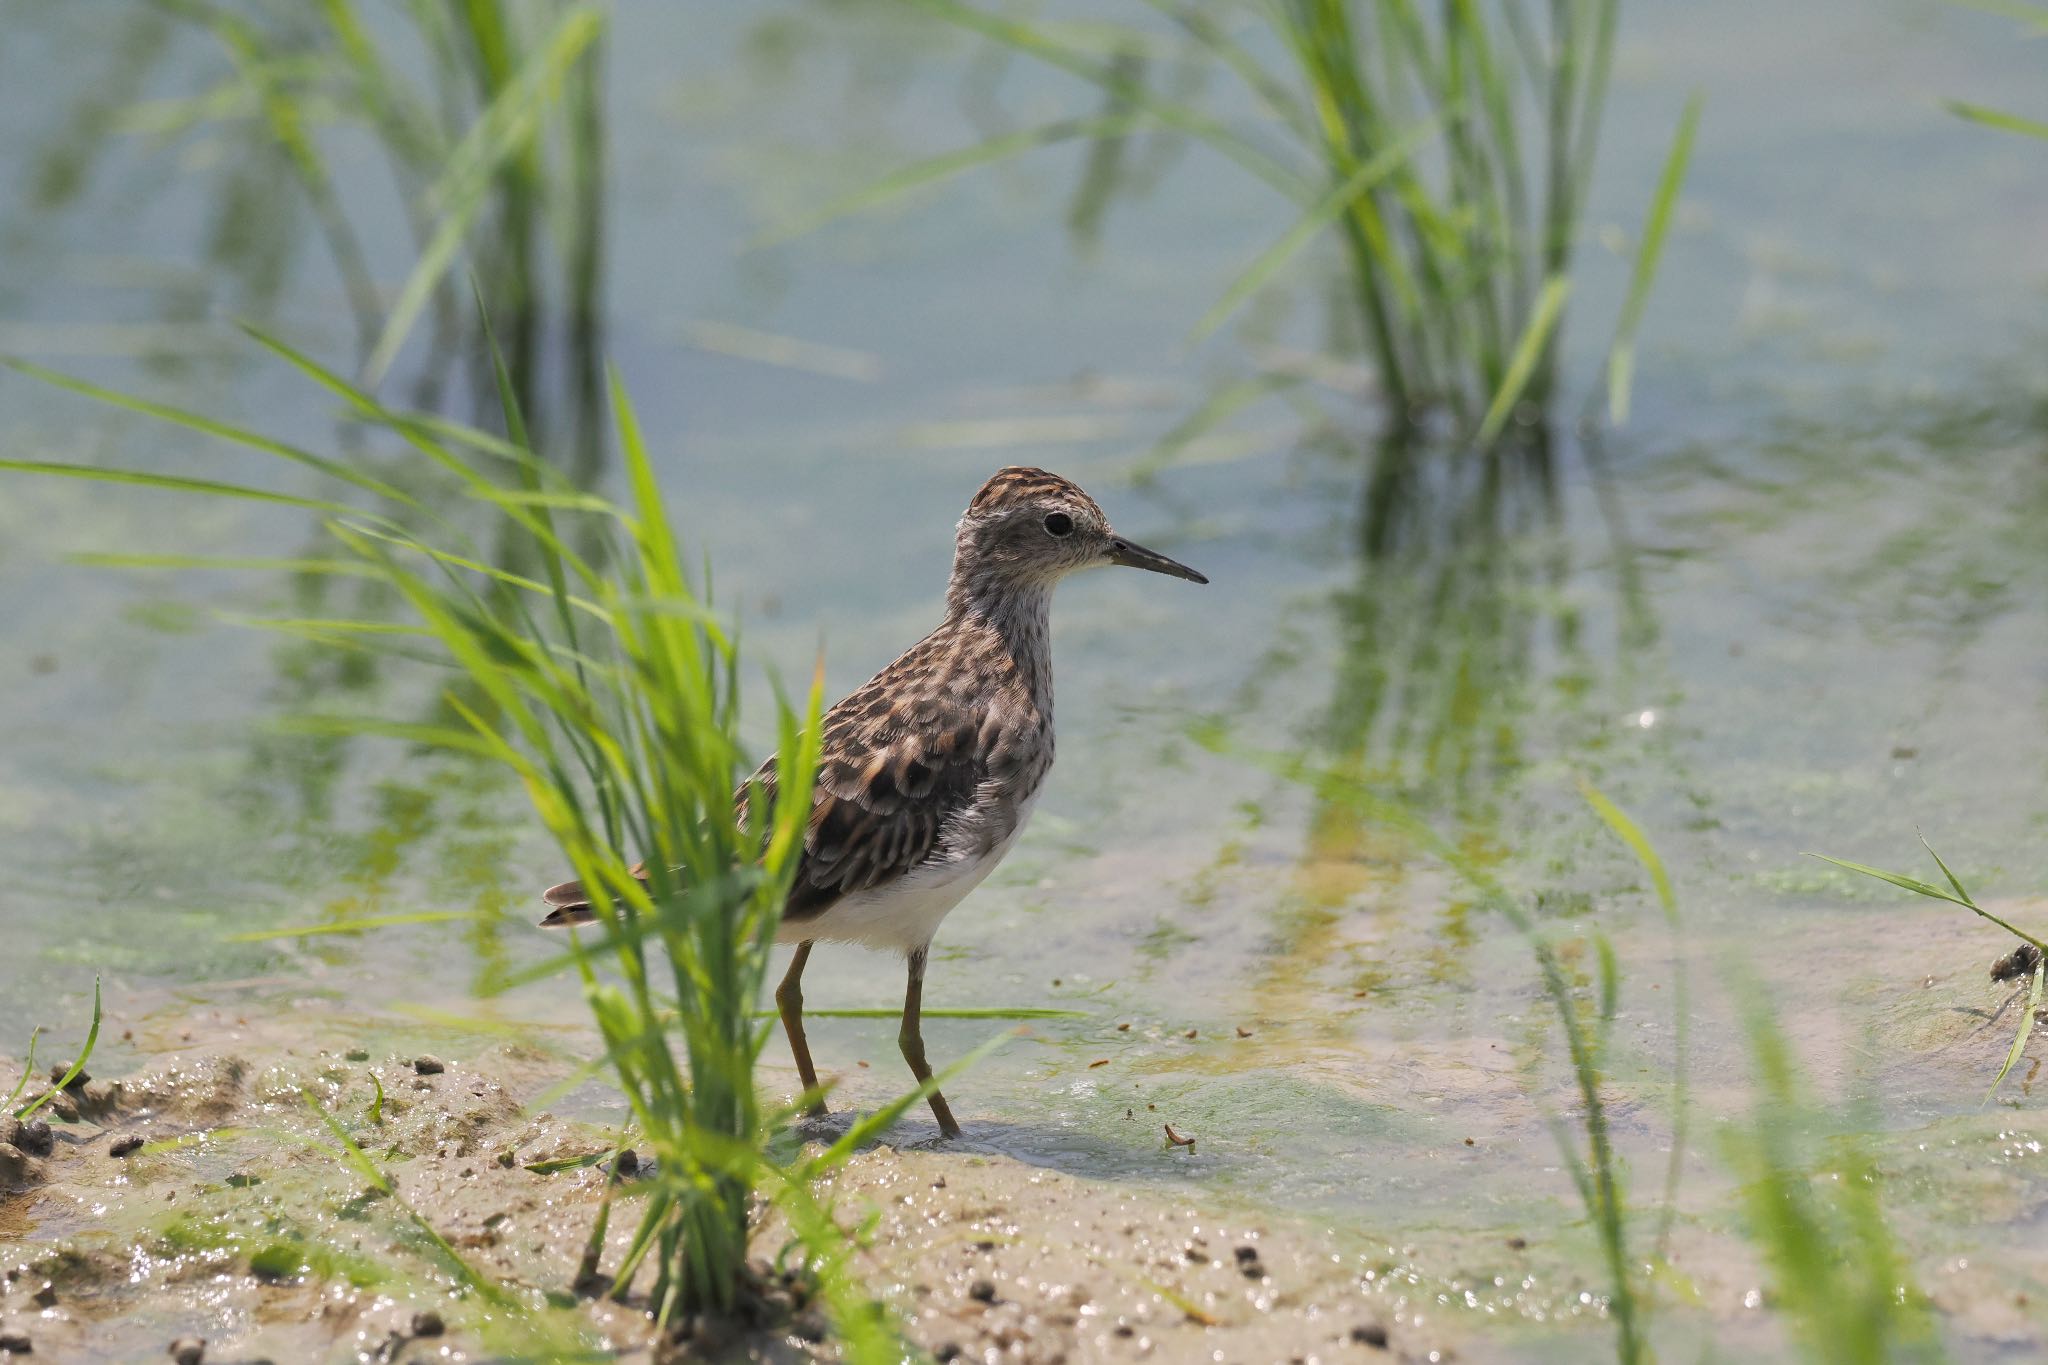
202,1091
33,1137
15,1167
188,1351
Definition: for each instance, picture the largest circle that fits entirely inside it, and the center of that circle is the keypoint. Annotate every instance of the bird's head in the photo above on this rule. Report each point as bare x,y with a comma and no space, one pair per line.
1028,528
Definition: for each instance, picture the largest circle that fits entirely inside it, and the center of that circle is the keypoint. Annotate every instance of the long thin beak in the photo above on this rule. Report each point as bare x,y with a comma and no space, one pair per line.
1131,556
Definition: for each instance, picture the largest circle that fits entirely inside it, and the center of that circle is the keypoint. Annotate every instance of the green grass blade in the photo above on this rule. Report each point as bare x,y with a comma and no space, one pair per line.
872,1125
1997,118
946,165
1326,211
1631,834
193,421
1898,879
1963,895
501,134
2026,1028
174,483
78,1067
1621,356
1528,351
1933,893
1021,37
336,568
28,1068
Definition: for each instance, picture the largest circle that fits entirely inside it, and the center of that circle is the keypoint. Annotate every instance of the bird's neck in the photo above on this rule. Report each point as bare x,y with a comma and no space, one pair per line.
1018,616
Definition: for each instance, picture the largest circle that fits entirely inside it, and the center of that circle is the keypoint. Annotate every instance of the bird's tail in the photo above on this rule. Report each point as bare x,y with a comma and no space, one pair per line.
569,904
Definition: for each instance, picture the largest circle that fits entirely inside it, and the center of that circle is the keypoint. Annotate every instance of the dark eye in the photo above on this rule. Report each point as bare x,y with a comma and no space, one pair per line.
1059,523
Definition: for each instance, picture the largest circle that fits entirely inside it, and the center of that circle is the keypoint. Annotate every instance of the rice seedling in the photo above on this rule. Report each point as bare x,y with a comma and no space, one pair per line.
62,1082
2029,963
1448,150
606,685
1812,1202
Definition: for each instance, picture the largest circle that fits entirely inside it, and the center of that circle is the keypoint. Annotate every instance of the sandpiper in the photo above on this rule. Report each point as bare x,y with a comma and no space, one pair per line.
930,769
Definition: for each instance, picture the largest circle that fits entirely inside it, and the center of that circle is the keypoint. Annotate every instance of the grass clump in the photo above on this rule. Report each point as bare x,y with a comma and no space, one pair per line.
605,684
63,1081
1448,149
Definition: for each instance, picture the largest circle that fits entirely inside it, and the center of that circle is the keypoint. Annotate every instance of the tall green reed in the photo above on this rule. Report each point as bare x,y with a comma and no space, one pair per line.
1447,149
604,683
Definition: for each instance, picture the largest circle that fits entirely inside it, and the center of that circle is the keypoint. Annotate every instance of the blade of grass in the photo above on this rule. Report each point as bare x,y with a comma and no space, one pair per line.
28,1068
1324,212
78,1067
1921,888
1621,356
500,134
1522,364
2026,1029
1952,881
946,165
1997,118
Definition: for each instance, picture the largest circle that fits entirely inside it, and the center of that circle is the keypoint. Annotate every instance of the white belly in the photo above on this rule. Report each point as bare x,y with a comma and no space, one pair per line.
903,915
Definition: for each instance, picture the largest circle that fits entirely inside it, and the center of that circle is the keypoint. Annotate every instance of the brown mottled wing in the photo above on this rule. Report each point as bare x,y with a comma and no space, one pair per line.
900,759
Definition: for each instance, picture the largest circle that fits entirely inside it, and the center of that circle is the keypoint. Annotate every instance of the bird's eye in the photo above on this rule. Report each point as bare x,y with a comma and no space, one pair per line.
1059,524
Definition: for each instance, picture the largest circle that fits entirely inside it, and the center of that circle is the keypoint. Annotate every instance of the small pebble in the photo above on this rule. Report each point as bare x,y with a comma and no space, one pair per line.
428,1066
1243,1032
1246,1254
16,1344
428,1324
357,1054
1370,1334
982,1291
1518,1243
949,1352
13,1164
1190,1033
627,1164
57,1074
1469,1142
125,1145
45,1296
1123,1028
188,1350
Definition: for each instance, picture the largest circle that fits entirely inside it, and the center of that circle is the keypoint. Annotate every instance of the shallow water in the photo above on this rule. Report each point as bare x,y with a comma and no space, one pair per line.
1800,603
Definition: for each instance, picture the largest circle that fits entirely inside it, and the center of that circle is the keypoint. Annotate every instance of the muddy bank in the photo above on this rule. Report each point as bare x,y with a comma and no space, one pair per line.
202,1197
239,1221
